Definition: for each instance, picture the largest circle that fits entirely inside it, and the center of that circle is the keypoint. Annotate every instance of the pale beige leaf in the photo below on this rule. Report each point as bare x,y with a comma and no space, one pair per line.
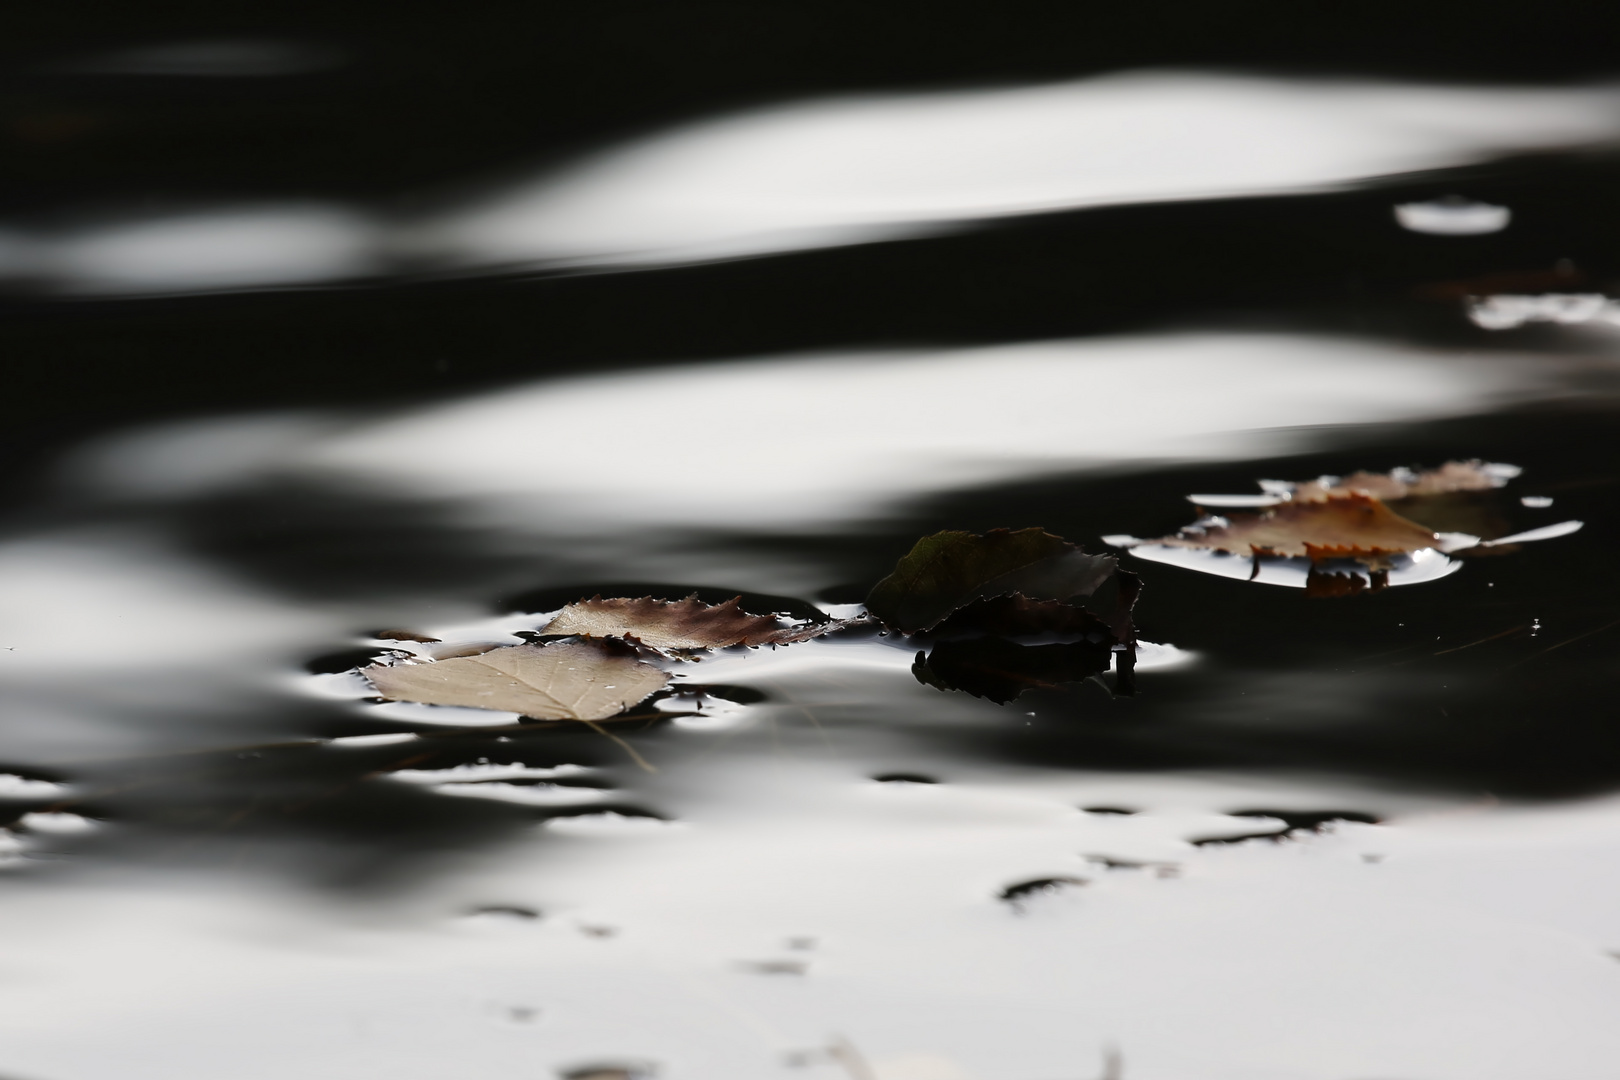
678,624
567,681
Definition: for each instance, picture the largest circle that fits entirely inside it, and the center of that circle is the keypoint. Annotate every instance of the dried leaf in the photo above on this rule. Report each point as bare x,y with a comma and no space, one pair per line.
678,624
1473,513
1336,526
565,681
950,570
1393,528
1019,616
1399,484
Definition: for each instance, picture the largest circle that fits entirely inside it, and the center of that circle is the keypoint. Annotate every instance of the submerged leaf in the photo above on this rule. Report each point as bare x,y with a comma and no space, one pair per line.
1019,616
567,681
950,570
1000,670
678,624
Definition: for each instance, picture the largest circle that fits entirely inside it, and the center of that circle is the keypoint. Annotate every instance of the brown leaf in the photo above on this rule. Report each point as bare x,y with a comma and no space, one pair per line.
1325,585
1403,483
678,624
1000,670
1018,616
561,681
1334,526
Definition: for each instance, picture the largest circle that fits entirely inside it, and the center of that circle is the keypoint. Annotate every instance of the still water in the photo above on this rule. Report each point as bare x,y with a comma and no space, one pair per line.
761,350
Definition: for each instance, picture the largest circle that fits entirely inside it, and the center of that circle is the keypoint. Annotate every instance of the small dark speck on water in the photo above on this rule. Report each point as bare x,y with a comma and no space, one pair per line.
636,1071
513,911
904,778
1023,890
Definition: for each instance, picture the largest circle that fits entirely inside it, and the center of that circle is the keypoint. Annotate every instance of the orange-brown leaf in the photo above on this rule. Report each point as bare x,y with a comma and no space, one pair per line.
1334,526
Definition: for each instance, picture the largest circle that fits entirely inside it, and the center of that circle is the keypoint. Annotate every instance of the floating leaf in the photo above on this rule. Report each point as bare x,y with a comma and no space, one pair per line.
1398,484
1334,526
564,681
950,570
1339,536
1019,616
1000,670
679,624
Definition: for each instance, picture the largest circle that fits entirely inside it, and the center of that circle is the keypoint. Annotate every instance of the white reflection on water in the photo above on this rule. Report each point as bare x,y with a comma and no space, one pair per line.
111,641
1509,311
801,440
202,251
1453,216
1304,959
832,172
839,171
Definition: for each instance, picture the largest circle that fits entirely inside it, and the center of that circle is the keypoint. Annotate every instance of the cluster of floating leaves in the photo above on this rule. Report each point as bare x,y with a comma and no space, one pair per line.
1003,612
600,667
1338,536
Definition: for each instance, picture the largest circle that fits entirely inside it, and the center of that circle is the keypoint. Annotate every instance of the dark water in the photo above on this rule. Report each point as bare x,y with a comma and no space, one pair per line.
261,404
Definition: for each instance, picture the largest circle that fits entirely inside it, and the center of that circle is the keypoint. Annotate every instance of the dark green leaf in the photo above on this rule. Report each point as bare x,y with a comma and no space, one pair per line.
1000,670
951,570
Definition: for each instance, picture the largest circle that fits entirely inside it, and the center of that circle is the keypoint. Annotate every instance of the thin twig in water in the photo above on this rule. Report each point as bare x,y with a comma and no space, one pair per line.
645,765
